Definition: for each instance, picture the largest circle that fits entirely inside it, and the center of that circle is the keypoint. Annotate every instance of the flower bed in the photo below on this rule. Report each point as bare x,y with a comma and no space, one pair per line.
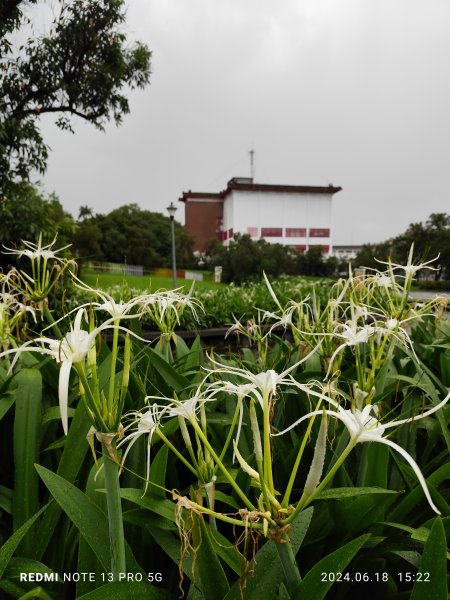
299,465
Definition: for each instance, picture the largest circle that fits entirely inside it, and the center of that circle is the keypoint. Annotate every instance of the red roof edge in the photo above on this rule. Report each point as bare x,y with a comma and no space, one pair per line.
292,189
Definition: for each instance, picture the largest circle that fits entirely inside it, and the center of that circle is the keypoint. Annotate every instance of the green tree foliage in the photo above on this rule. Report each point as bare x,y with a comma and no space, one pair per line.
430,239
25,213
133,235
80,67
245,259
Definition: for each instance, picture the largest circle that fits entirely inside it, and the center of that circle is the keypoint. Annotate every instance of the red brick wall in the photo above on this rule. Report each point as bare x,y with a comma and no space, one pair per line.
202,220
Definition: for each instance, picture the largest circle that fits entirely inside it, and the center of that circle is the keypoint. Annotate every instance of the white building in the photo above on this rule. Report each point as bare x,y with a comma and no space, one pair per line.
298,216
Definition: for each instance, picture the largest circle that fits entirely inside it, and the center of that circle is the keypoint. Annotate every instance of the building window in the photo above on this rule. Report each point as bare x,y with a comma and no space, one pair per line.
252,231
325,249
319,233
271,231
299,247
230,233
296,232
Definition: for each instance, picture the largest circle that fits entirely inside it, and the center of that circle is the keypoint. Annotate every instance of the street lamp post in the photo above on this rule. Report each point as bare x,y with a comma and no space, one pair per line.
172,209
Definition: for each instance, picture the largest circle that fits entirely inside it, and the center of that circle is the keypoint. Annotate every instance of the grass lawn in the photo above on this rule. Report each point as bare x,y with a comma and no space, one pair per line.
142,282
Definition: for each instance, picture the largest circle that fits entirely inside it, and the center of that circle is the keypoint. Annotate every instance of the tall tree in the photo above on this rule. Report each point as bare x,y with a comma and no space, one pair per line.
26,213
129,233
79,67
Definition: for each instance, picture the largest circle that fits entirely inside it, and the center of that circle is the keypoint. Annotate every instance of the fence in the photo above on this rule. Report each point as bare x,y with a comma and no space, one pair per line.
124,269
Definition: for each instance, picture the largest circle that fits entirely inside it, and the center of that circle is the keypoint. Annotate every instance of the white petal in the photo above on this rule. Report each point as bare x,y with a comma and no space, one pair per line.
413,464
63,392
422,415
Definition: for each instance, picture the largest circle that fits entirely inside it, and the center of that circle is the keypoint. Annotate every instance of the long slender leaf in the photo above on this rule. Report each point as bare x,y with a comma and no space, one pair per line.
122,590
72,458
171,376
351,492
433,567
87,560
10,546
6,499
86,516
27,428
208,572
171,545
313,585
164,508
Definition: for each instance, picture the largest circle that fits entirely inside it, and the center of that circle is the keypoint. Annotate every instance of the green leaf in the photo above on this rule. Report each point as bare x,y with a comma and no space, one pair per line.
9,547
53,413
158,472
6,497
6,401
171,545
173,379
345,493
209,575
87,560
227,551
373,468
410,501
69,465
312,585
25,565
27,431
434,562
122,590
86,516
145,518
164,508
188,360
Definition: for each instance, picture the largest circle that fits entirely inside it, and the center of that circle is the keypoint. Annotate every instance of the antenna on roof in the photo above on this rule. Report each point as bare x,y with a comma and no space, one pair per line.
252,164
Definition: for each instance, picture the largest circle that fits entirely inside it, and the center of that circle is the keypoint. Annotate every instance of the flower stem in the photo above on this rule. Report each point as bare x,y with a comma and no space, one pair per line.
266,441
51,321
116,537
112,375
290,485
175,451
228,477
291,572
100,424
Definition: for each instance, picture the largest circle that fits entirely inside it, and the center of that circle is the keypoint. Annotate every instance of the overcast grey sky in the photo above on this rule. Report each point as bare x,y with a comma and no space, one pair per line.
351,92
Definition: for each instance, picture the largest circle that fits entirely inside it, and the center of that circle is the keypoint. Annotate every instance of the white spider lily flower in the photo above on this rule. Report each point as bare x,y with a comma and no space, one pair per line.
38,251
117,310
187,409
237,326
383,281
363,427
145,422
263,386
71,350
165,307
409,269
11,306
352,335
242,390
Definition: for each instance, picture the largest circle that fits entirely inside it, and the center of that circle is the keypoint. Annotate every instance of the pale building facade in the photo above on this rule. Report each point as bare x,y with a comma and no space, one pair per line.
297,216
